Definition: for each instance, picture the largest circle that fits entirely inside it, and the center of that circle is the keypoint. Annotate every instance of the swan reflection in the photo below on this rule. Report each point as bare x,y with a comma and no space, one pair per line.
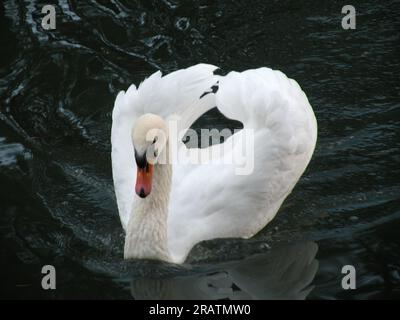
284,272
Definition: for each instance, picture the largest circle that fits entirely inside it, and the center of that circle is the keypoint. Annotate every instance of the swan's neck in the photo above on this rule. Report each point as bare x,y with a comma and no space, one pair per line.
146,234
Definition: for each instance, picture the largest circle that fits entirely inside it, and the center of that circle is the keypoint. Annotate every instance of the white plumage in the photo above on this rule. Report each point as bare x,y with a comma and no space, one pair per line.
210,201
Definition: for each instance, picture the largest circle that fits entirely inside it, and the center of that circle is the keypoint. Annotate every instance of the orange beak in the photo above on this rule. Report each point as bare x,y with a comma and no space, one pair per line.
144,180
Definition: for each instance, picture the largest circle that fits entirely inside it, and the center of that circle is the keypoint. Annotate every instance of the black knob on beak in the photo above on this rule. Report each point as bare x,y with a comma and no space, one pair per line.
142,194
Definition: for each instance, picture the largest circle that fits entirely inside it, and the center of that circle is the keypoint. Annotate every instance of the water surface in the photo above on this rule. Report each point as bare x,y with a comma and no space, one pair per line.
57,204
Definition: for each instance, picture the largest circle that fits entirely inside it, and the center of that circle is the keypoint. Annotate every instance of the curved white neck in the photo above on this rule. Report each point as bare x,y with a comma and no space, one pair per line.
146,233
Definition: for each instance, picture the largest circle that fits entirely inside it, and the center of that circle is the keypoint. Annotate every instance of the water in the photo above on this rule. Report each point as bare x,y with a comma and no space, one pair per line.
56,196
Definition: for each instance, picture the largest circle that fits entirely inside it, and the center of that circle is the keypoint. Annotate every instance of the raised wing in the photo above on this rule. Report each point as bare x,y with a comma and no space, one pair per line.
174,94
211,200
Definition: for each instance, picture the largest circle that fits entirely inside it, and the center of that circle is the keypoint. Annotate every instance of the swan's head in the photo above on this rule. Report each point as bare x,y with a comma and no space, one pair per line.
149,138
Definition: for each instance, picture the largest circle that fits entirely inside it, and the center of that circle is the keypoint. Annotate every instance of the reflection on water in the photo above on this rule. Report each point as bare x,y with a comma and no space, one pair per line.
284,272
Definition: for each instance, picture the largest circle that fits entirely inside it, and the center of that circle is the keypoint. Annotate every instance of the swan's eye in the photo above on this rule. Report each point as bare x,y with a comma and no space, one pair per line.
155,140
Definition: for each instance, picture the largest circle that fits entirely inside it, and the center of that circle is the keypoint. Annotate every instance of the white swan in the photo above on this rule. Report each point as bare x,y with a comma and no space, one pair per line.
166,209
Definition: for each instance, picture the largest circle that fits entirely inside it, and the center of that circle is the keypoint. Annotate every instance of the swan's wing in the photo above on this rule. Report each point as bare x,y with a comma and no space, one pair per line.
176,94
211,200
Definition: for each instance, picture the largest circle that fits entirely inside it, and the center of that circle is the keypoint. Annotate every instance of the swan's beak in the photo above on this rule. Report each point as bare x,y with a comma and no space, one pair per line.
144,176
144,179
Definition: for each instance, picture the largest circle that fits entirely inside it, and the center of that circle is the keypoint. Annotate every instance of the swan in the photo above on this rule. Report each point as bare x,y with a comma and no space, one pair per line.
166,207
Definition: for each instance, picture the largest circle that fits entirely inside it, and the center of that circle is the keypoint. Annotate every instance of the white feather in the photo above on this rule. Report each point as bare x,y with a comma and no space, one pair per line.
173,94
209,200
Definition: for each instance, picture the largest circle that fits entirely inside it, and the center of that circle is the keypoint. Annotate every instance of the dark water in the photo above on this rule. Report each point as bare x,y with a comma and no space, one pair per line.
57,89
